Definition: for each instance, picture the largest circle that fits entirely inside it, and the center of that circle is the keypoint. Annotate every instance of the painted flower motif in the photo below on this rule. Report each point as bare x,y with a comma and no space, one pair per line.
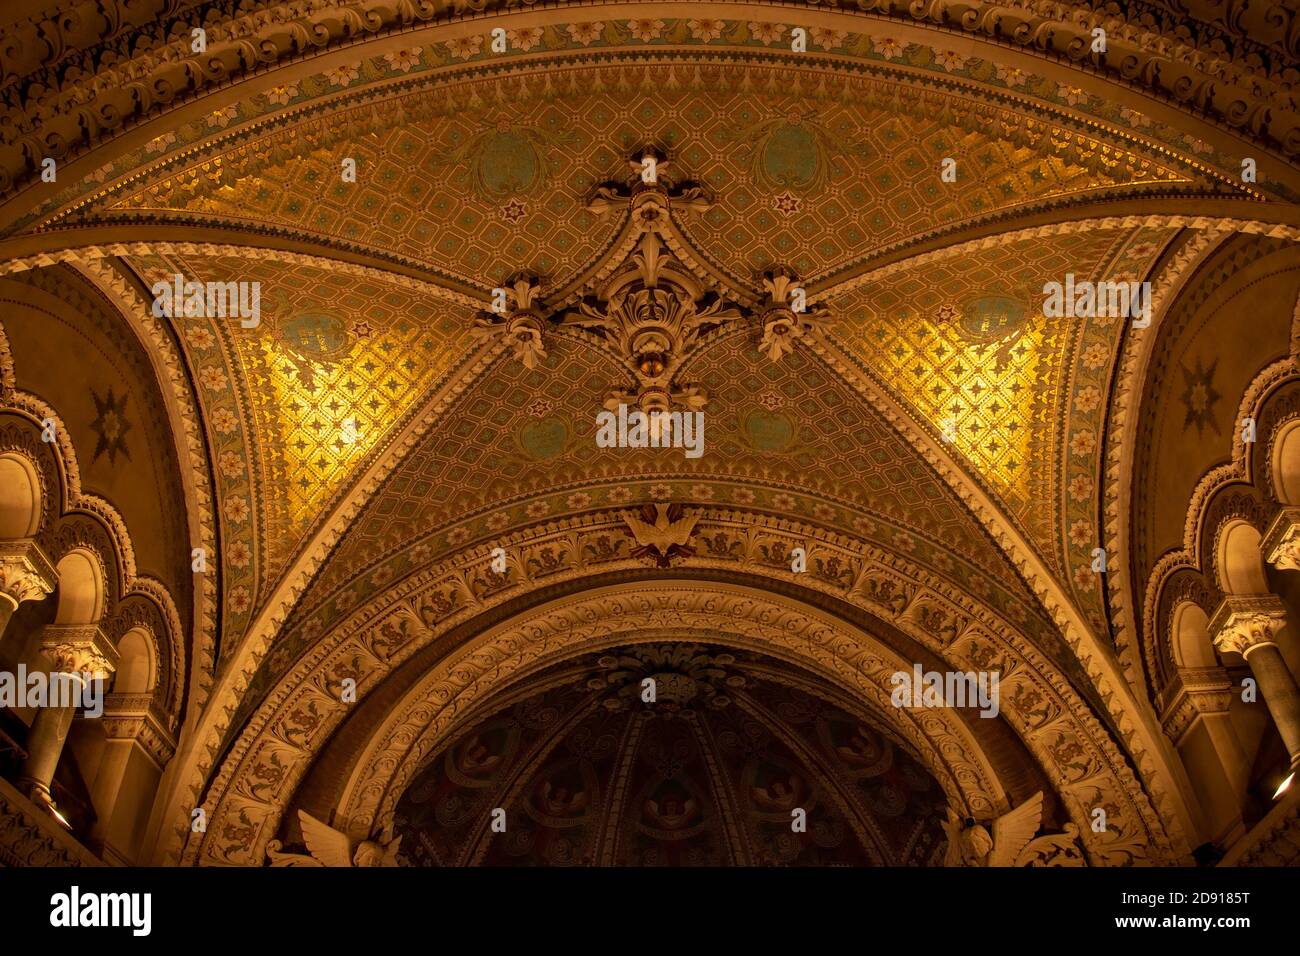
280,95
1134,117
1071,94
701,492
200,338
159,143
99,175
1197,145
213,377
949,59
783,502
904,541
943,562
1142,250
743,496
238,599
620,495
766,32
537,509
1087,398
404,60
343,75
586,33
646,30
222,117
864,526
462,48
1083,442
1085,578
824,511
458,536
1080,487
1095,356
525,40
828,39
1081,533
224,421
889,48
381,576
1011,75
497,521
660,492
237,509
231,464
705,29
238,554
578,500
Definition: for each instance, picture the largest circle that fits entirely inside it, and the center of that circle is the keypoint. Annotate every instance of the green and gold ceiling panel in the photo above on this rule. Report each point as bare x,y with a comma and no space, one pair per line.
519,447
965,343
694,50
336,364
489,177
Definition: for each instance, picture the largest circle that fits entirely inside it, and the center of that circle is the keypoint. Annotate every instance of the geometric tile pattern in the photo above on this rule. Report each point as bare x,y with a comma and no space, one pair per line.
478,184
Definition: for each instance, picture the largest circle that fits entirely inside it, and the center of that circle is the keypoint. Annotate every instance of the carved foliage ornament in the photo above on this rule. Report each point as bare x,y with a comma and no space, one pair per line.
652,299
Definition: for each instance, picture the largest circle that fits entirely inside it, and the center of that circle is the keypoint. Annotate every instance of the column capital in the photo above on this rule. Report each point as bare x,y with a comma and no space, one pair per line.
1281,543
75,648
133,717
1243,623
1194,692
26,574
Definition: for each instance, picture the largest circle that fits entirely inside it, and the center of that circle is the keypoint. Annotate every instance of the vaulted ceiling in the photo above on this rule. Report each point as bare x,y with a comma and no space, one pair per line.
363,433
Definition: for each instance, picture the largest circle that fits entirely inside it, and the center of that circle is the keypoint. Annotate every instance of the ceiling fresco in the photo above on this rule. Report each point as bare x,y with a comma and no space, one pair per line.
475,190
825,233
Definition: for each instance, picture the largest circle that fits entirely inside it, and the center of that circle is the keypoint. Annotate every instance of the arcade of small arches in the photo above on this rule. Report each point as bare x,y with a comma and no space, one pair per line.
280,546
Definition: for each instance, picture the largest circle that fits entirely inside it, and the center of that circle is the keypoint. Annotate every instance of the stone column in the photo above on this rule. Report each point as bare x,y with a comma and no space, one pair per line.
1195,715
137,738
25,575
1247,625
73,649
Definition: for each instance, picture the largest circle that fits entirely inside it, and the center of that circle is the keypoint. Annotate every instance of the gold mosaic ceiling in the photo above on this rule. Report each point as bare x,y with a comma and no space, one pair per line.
814,181
487,177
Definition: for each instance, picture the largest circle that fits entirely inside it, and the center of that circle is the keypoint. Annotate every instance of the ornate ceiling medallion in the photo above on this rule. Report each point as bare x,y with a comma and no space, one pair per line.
653,298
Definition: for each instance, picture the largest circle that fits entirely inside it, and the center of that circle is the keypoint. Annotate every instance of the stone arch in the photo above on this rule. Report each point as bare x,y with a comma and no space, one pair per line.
1238,561
137,669
81,588
1191,637
20,497
281,739
1285,463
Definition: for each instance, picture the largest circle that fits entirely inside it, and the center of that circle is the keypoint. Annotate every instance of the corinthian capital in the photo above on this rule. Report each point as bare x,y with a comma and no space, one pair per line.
1281,544
1242,624
78,648
25,572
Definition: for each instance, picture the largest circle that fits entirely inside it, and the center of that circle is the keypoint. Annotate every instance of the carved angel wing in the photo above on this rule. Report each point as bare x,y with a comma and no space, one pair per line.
643,533
952,827
1013,830
326,844
390,853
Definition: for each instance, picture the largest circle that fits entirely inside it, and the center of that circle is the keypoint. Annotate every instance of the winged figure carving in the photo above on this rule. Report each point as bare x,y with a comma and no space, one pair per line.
661,530
971,844
330,847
